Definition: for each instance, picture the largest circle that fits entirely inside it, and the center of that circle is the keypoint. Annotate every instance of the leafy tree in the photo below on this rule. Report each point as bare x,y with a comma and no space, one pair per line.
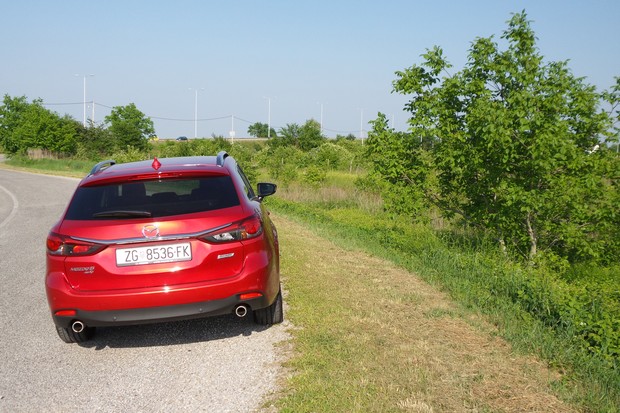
289,136
513,147
95,142
399,159
130,127
57,134
11,116
349,137
310,135
261,130
8,114
26,126
612,97
305,137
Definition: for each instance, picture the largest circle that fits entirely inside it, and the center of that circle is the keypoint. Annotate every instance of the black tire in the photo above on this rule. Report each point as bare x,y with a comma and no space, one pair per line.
272,314
69,336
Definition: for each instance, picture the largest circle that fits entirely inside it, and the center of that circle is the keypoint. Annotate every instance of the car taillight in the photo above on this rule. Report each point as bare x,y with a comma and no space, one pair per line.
246,229
59,245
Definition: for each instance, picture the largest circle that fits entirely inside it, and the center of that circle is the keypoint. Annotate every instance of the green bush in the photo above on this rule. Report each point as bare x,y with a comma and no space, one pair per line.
588,311
282,162
130,154
285,175
371,182
331,156
314,176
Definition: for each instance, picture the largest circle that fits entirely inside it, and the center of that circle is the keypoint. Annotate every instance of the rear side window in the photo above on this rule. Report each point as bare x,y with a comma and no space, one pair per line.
153,198
247,188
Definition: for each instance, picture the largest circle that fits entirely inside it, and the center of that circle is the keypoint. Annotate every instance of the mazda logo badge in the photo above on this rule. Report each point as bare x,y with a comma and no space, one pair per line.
150,231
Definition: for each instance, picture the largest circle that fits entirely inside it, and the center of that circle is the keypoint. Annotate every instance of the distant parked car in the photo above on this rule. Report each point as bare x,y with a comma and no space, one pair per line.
163,240
182,138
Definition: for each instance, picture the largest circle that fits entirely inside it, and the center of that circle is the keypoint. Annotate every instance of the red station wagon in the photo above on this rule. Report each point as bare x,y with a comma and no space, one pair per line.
163,240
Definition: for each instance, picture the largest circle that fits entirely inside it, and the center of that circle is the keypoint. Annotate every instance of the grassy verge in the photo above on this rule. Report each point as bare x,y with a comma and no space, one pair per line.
69,167
478,280
372,337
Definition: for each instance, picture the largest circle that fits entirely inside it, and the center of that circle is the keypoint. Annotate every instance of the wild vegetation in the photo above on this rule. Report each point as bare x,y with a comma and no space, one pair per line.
504,193
30,126
511,145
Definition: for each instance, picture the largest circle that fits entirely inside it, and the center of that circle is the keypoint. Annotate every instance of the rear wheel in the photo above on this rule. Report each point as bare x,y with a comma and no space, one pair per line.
272,314
69,336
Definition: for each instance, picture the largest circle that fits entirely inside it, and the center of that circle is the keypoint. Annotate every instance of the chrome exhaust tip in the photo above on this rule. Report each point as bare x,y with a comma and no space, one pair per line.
241,311
77,326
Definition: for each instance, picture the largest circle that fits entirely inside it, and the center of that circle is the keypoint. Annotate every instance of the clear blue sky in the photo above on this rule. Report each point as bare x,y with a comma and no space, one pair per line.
301,54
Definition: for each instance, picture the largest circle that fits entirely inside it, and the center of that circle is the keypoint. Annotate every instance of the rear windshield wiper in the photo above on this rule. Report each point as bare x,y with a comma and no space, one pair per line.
122,214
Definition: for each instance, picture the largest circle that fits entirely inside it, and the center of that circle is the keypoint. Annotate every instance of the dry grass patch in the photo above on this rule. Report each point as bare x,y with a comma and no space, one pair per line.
332,194
374,337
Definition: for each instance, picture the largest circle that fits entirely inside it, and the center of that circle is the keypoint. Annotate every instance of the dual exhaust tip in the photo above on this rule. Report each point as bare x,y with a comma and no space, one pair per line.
77,326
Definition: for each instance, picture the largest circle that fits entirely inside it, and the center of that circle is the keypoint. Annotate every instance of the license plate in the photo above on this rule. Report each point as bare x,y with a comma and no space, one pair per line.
154,255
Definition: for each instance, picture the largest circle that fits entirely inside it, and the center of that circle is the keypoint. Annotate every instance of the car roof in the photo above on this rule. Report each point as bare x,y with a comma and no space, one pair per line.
178,167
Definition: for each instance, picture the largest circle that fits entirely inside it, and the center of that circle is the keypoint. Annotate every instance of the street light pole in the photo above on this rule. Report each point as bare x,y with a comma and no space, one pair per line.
362,125
84,98
84,101
232,129
196,111
268,117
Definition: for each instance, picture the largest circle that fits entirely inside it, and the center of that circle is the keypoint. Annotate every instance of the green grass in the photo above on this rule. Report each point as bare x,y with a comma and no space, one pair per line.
475,276
68,167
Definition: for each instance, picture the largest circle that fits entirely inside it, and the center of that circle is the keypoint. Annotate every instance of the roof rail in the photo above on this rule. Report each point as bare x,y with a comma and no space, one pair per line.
102,165
221,156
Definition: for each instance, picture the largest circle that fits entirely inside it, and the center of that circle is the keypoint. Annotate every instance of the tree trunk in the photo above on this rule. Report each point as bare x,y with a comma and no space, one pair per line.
532,234
502,246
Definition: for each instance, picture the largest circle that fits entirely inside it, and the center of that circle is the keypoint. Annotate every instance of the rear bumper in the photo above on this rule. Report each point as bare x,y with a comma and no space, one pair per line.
159,314
159,304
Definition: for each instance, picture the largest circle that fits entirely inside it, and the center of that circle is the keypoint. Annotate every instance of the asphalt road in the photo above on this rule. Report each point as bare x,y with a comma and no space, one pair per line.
221,364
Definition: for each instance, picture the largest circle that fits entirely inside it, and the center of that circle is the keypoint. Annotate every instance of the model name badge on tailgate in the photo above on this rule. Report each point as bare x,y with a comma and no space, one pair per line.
85,270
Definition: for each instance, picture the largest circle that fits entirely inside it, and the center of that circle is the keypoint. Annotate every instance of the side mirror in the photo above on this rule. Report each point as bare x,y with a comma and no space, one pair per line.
265,189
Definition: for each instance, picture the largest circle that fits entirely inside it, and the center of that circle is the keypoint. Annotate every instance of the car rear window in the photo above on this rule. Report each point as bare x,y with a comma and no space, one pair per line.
159,198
